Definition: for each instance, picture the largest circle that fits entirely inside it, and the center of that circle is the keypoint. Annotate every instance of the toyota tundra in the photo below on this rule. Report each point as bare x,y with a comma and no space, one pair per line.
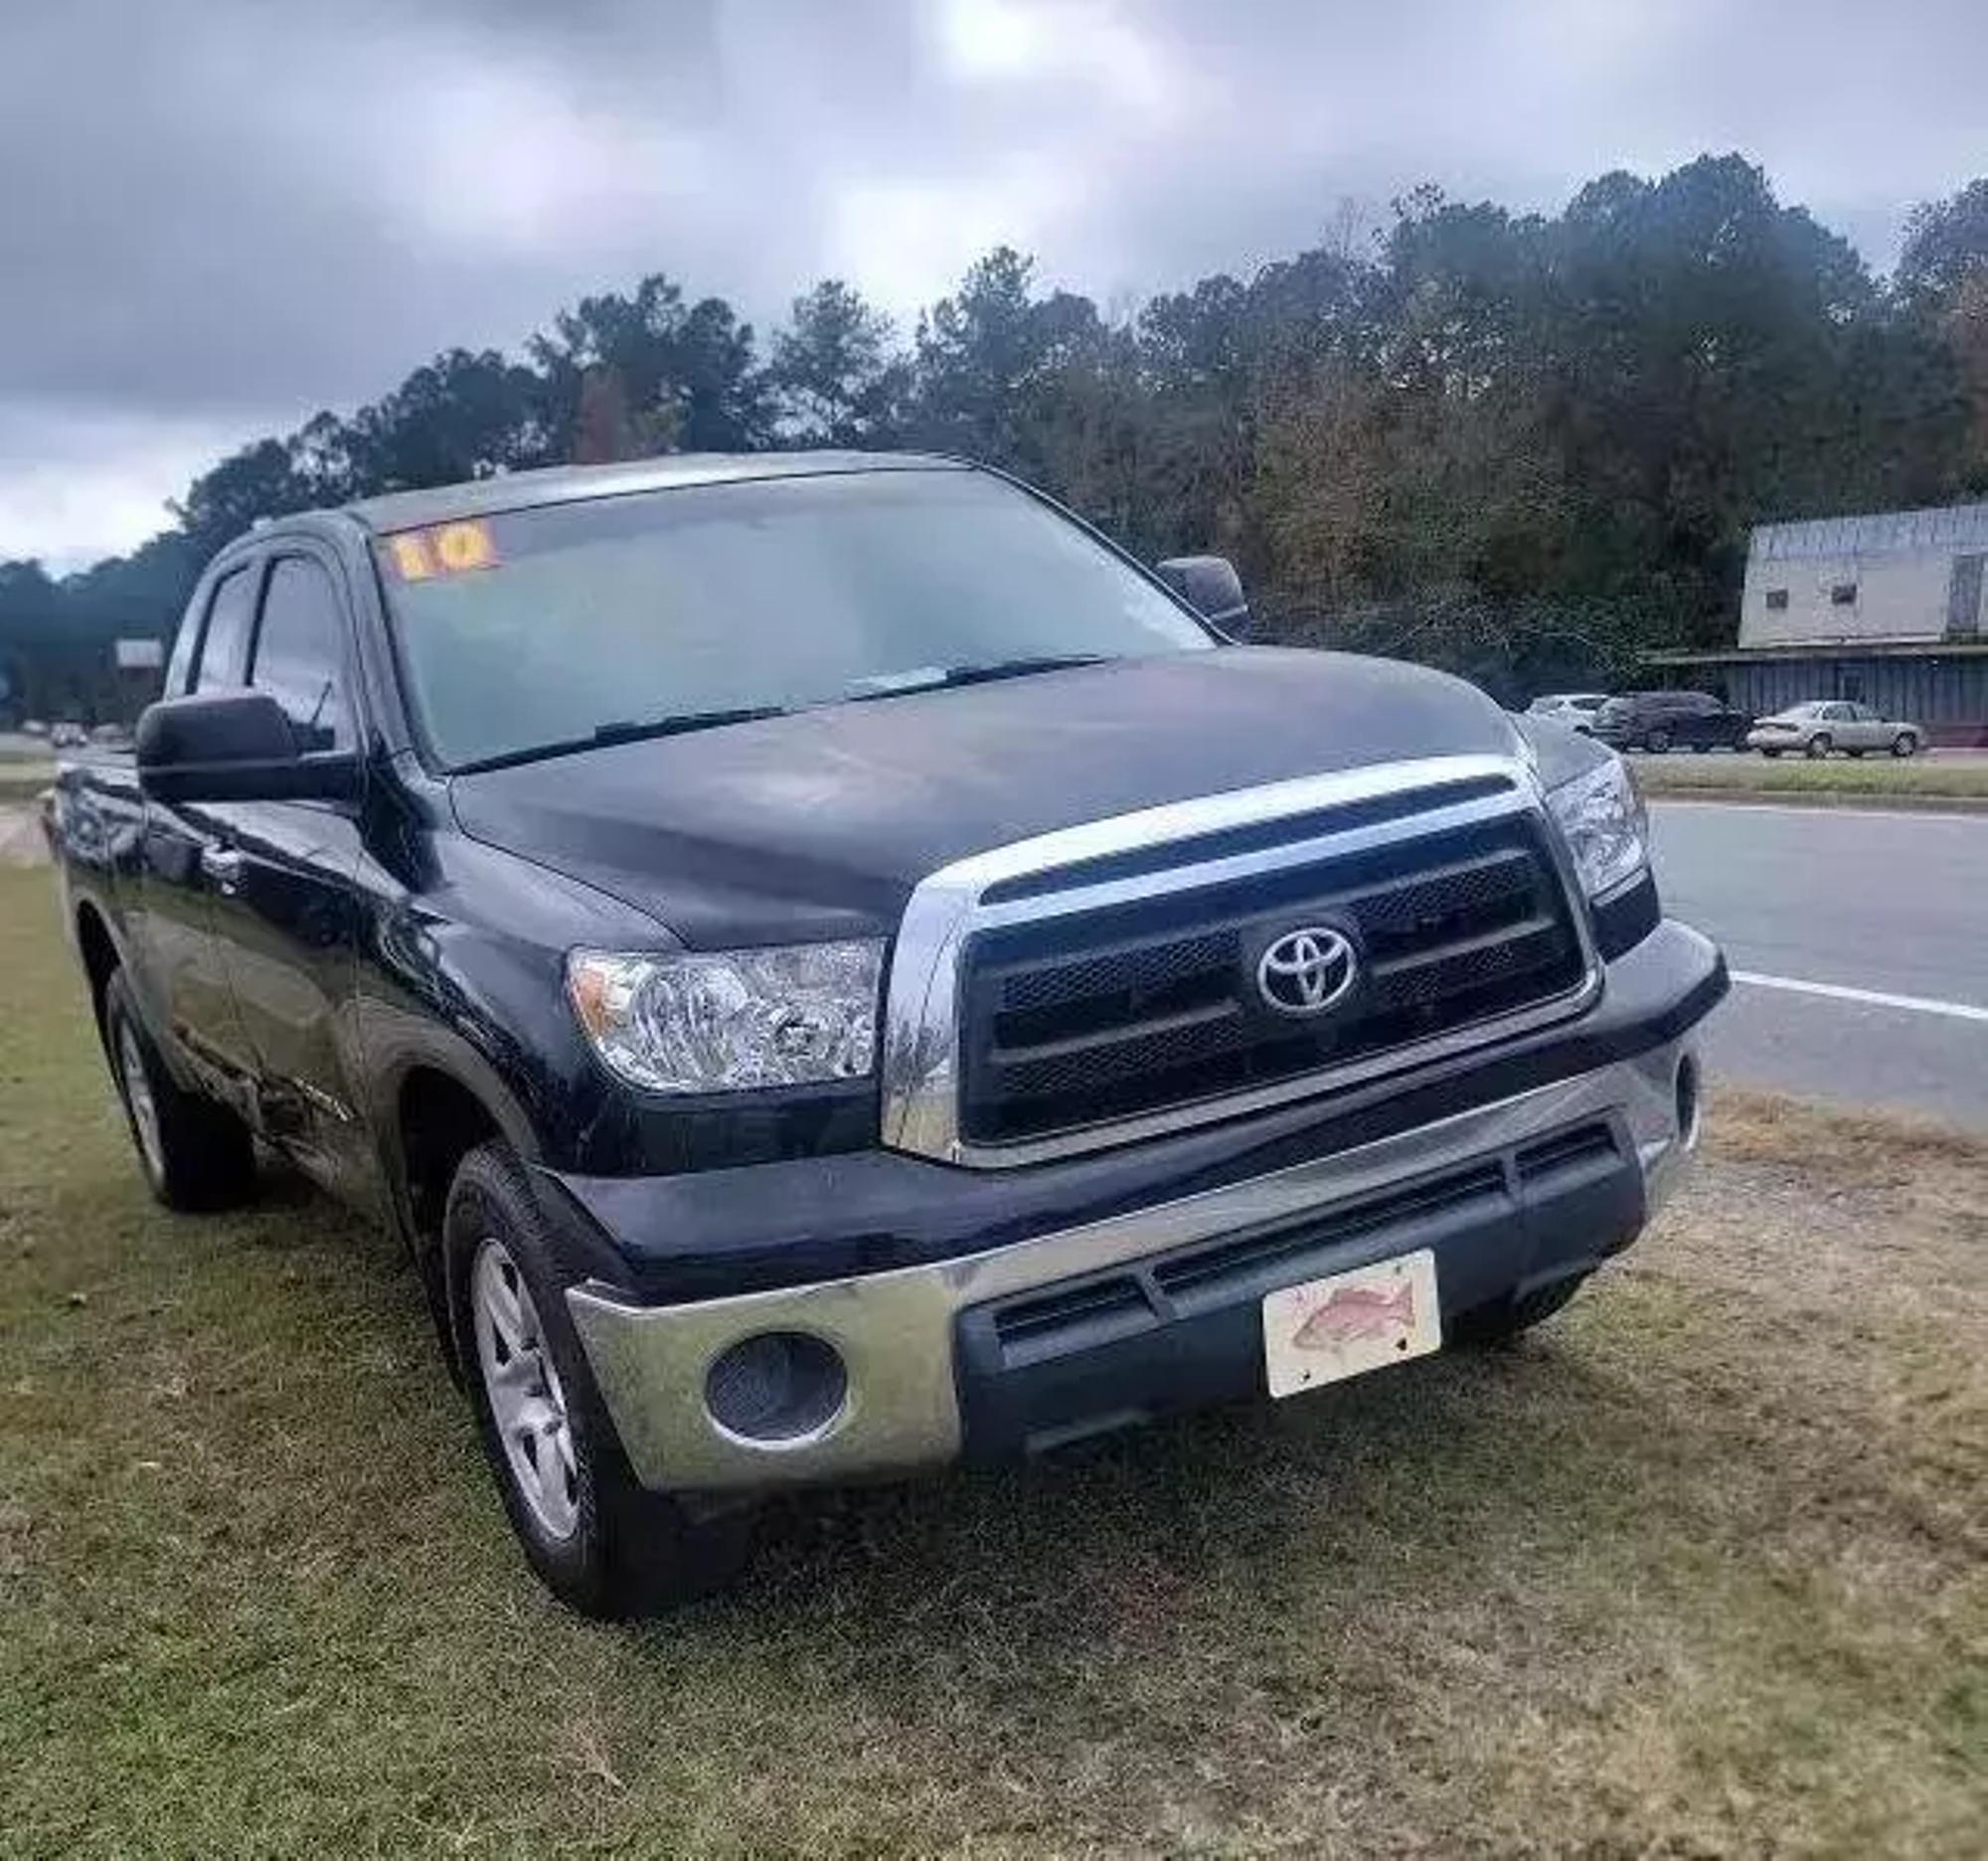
832,968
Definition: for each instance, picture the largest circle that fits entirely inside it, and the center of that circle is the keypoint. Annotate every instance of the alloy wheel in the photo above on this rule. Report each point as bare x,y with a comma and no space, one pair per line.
527,1403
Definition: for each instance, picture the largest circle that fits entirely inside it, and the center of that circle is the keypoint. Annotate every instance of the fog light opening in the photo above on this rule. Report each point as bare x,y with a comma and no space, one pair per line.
1687,1101
776,1389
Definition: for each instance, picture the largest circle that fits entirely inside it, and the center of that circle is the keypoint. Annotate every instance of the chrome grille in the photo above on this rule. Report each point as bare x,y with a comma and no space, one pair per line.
1096,984
1115,1013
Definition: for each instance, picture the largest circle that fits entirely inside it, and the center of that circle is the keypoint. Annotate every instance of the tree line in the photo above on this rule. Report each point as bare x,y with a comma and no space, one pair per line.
1524,446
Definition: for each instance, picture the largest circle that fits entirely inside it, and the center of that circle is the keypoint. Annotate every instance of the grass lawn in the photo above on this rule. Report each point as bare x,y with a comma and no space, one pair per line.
1700,1570
1922,779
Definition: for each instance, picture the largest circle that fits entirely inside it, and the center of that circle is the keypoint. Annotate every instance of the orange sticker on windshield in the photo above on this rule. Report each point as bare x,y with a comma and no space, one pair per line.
445,550
411,556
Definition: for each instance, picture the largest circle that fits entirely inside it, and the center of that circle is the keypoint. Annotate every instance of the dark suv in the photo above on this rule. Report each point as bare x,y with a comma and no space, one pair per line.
1663,720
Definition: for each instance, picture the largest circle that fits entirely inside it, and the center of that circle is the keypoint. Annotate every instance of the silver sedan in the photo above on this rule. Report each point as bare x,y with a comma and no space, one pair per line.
1822,726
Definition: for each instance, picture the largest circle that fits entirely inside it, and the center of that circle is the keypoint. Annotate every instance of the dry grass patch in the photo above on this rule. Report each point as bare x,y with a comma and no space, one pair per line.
1697,1571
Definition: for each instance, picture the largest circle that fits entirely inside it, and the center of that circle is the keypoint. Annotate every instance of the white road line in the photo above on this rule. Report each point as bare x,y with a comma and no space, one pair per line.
1968,817
1875,998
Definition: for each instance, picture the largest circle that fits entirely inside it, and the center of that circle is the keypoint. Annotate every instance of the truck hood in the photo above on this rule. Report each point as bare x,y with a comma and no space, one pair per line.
819,824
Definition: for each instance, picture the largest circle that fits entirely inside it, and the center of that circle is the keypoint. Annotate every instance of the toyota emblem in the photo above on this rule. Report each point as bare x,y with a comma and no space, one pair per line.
1305,972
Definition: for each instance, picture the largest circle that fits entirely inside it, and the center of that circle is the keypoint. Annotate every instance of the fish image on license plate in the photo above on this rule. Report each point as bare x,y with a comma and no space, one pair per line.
1326,1330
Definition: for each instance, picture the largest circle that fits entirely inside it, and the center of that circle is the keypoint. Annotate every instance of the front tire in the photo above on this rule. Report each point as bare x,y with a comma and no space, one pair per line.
1657,741
196,1154
1818,748
598,1540
1904,744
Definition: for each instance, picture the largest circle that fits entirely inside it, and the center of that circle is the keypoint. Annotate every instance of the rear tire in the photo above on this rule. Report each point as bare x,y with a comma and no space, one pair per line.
599,1540
1903,745
195,1154
1818,747
1773,756
1505,1319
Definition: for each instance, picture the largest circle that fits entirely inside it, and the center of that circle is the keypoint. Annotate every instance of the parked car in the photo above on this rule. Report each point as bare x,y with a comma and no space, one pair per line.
35,727
1573,709
831,967
68,736
1823,725
1657,721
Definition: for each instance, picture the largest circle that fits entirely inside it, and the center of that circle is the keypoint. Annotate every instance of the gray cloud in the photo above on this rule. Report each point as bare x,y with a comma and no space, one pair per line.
220,215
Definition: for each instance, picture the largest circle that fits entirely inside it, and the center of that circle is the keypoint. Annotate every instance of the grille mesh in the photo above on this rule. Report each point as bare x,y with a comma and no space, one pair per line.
1090,1017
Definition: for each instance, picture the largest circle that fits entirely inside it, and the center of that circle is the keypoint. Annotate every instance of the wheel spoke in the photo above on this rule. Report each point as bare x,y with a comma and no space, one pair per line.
138,1096
522,1373
546,1454
527,1403
500,1303
556,1473
534,1418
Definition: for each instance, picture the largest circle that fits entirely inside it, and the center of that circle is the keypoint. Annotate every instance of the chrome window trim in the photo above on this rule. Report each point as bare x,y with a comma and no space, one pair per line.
920,1070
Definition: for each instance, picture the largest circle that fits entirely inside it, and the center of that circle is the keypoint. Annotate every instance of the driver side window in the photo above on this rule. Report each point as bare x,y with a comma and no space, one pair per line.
224,642
300,653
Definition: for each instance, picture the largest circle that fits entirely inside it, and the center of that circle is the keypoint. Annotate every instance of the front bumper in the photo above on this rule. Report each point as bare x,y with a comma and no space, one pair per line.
1533,1187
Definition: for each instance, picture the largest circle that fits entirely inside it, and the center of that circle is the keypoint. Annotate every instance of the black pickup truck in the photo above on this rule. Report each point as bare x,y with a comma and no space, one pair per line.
832,968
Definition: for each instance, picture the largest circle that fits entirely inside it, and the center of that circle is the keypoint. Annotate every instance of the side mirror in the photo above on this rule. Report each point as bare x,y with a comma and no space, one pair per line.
1211,587
234,745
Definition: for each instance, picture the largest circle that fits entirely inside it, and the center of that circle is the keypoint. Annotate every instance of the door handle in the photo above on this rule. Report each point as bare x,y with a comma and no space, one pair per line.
223,865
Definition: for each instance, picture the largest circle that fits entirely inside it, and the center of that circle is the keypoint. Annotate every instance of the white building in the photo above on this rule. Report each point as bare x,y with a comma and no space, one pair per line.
1887,609
1898,575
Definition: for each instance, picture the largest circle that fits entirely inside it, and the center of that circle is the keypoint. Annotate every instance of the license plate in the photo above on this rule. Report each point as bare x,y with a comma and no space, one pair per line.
1347,1323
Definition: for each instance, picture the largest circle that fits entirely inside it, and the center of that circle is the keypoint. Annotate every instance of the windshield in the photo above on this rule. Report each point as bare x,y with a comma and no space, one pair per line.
541,629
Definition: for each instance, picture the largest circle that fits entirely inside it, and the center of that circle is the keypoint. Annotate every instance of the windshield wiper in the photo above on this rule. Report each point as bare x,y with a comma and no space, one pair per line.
624,731
939,677
627,730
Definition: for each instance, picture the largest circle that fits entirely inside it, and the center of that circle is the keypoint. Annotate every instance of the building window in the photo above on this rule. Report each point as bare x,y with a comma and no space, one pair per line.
1849,685
1843,595
1777,599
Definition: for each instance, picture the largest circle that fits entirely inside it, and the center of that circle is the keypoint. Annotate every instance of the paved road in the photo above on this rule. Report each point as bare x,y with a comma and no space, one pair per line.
1866,902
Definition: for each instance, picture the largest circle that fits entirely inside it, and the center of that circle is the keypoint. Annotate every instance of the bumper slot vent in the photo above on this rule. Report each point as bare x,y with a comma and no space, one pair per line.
1568,1153
1072,1317
1212,1269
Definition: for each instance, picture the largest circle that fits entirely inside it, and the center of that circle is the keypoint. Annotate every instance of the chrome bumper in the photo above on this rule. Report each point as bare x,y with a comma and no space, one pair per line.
895,1330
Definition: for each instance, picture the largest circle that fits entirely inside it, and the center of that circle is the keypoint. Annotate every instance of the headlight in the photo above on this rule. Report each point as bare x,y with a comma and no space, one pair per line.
1605,823
699,1023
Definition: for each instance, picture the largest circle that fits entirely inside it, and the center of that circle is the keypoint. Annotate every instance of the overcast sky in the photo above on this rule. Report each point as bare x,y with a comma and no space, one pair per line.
219,215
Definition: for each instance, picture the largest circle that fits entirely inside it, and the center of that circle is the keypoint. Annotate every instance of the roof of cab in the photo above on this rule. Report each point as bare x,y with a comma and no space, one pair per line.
568,484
